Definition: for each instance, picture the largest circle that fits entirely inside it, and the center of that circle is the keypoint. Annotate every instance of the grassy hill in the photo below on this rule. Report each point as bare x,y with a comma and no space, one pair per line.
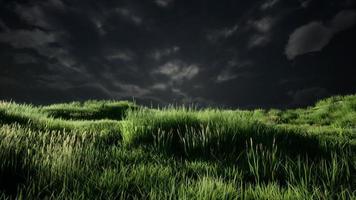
119,150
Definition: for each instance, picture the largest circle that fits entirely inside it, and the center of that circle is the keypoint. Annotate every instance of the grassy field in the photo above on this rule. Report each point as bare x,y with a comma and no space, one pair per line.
119,150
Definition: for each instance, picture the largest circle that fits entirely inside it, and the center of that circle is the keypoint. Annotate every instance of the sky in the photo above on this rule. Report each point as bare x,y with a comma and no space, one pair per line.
226,53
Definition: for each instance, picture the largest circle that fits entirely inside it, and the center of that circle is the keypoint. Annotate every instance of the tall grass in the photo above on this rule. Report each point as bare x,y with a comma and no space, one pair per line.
79,166
175,153
196,133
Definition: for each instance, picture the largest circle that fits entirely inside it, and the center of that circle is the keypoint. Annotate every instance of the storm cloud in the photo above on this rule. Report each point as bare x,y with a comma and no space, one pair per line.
315,35
218,53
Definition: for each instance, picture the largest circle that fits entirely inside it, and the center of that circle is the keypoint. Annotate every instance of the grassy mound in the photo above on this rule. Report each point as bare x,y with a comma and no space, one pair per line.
117,150
89,110
337,111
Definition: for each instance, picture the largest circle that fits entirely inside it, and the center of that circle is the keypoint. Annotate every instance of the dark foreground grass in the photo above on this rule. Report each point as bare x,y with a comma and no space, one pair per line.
178,153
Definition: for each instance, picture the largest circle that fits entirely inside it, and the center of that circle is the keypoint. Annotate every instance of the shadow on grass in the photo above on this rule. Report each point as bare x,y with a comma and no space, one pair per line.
14,170
196,139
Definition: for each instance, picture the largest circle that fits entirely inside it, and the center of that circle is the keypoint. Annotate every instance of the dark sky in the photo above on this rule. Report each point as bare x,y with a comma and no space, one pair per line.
233,53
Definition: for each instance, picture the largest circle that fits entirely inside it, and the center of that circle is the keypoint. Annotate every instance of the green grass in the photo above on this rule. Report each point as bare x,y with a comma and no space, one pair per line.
89,110
118,150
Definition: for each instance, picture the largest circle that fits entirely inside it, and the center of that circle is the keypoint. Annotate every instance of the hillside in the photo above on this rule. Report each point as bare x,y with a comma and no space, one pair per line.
119,150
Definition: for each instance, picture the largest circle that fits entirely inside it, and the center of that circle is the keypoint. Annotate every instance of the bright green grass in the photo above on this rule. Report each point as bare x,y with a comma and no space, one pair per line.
117,150
115,110
337,111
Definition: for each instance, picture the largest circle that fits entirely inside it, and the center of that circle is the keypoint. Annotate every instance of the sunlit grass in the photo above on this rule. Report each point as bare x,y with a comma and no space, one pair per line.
87,151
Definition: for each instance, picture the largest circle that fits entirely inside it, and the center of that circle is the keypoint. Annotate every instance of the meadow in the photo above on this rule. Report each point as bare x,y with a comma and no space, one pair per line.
120,150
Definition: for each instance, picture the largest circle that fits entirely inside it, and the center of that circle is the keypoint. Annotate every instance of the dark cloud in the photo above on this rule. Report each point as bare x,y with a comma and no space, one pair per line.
303,97
314,36
220,53
224,33
164,3
233,70
262,33
305,3
268,4
178,71
158,54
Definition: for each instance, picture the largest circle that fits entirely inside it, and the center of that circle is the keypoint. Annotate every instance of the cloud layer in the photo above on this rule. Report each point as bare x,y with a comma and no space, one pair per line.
221,53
